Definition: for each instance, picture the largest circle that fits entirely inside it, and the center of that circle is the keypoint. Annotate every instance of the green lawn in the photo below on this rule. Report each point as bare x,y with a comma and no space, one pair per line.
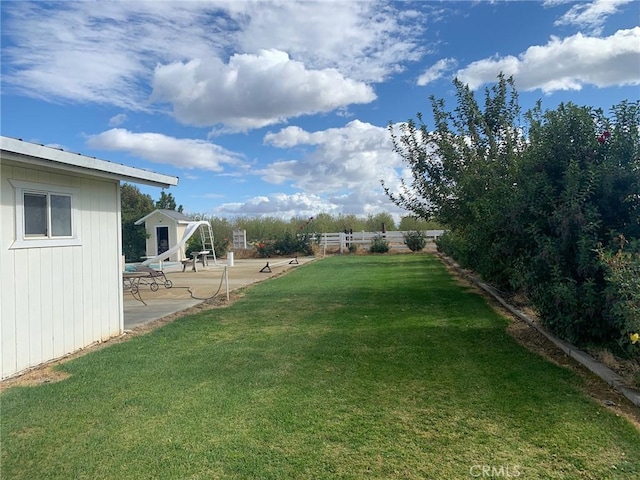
354,367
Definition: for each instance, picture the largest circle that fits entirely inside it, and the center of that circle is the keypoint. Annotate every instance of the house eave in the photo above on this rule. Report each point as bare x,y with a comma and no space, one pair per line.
31,153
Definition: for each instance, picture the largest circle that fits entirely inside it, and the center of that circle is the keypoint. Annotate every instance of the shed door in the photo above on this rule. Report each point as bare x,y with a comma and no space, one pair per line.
162,236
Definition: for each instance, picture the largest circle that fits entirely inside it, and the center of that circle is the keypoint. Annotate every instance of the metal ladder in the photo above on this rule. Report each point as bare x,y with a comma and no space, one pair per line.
206,236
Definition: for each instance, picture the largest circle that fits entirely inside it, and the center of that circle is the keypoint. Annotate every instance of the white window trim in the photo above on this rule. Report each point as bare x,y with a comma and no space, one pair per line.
21,240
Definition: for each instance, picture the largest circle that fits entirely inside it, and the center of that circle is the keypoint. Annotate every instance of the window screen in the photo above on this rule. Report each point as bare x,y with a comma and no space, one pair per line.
60,215
35,214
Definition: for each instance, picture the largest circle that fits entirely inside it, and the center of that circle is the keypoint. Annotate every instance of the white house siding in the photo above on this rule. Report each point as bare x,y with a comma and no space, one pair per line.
56,300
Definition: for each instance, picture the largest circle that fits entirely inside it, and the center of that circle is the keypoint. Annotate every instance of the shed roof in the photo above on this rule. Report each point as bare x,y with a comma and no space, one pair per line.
174,215
33,153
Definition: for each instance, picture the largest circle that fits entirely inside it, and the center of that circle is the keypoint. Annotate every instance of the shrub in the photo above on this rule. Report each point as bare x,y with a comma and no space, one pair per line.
415,240
287,244
221,245
353,248
454,245
194,244
265,249
379,245
623,293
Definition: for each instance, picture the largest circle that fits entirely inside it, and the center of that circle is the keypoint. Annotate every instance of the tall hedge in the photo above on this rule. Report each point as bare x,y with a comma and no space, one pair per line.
532,201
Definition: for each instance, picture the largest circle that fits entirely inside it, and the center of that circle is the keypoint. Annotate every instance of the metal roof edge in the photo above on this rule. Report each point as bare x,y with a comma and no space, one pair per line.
79,162
162,212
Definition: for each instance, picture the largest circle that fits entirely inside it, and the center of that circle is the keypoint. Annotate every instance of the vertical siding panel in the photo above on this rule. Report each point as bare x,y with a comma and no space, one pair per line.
21,302
8,344
119,292
102,239
7,316
87,253
46,303
66,281
107,227
97,259
79,299
114,260
34,300
97,274
110,322
57,308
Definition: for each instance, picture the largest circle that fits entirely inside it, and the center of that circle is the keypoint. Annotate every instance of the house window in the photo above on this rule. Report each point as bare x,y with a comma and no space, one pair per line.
45,215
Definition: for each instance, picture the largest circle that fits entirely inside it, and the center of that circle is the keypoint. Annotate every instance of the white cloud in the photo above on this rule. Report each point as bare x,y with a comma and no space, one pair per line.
75,52
591,16
117,119
565,64
279,205
366,41
343,166
252,90
286,206
356,156
158,148
437,70
553,3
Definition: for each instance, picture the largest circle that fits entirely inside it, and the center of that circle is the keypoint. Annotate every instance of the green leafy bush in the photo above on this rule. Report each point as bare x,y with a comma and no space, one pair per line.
623,288
265,249
287,244
528,203
379,245
221,246
453,244
415,240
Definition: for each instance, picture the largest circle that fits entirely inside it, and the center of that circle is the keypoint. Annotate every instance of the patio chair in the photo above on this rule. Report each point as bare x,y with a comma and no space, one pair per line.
153,278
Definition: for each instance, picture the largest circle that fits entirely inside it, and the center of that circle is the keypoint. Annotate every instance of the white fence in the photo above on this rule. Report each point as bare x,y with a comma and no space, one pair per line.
394,238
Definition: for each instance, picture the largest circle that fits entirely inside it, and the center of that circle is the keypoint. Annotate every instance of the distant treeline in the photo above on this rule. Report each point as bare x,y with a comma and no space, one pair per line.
260,229
136,205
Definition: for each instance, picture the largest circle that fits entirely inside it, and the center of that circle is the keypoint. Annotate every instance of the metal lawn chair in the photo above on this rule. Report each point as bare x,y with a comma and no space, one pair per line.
154,277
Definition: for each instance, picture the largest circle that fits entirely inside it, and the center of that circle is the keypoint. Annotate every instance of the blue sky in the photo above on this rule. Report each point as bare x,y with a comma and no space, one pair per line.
280,108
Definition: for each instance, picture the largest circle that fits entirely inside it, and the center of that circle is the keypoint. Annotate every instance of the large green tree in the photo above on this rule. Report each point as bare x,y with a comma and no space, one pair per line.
134,206
167,202
463,173
530,205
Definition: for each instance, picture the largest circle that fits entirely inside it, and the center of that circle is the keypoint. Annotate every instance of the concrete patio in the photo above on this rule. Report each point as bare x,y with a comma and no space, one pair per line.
201,284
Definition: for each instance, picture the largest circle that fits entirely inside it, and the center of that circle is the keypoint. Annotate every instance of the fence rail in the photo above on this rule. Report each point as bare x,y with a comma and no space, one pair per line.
395,238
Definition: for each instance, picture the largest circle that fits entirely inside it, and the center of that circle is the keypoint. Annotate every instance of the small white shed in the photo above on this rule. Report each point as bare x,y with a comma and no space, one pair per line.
60,251
164,229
